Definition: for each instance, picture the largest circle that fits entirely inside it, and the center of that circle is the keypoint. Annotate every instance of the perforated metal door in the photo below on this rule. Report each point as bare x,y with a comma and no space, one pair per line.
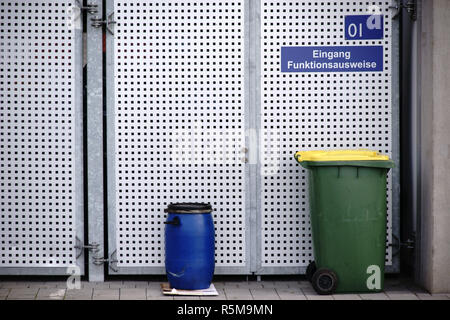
188,83
41,172
311,111
177,127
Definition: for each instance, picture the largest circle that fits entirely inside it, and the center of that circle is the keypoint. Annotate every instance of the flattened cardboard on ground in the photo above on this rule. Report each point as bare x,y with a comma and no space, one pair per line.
167,290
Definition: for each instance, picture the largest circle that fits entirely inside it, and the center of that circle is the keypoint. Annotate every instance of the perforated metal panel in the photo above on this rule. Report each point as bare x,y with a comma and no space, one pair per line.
313,111
179,124
40,136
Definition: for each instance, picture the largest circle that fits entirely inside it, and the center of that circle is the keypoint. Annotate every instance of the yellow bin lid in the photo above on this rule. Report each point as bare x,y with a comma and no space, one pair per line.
339,155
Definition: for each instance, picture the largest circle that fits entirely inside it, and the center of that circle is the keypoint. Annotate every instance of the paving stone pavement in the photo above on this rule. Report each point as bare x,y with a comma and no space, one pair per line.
21,293
395,289
374,296
290,293
51,294
238,294
106,294
79,294
264,294
133,293
4,293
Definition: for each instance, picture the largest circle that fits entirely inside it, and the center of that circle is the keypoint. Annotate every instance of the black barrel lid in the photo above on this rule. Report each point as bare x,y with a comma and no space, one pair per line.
189,207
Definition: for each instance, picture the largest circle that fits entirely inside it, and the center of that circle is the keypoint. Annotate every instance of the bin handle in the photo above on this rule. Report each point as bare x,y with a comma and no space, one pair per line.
175,221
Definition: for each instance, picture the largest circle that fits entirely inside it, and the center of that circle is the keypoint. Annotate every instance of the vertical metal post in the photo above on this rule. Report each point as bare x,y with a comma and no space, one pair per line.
110,136
408,136
249,143
95,144
416,56
79,152
254,103
395,216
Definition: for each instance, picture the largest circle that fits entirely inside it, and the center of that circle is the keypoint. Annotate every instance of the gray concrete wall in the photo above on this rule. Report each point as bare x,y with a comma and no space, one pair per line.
434,97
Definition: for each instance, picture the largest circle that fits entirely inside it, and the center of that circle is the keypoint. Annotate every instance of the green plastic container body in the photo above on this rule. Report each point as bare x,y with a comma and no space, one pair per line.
348,218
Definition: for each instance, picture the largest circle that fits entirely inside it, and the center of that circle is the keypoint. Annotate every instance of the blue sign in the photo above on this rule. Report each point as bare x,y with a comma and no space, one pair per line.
364,27
332,59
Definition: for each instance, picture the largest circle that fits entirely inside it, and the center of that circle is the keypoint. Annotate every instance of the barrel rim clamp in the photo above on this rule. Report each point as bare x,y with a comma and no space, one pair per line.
97,22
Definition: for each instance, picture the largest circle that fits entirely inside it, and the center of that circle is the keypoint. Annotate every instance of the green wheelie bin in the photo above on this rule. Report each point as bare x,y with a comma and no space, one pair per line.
347,195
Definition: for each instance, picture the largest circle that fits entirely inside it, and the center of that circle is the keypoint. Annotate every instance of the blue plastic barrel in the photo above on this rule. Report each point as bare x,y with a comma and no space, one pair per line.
189,244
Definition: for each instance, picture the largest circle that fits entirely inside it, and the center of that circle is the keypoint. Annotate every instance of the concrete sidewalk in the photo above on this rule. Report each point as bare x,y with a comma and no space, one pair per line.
228,290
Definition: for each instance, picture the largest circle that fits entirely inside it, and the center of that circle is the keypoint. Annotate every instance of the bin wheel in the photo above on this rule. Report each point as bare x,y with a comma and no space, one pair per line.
310,270
324,281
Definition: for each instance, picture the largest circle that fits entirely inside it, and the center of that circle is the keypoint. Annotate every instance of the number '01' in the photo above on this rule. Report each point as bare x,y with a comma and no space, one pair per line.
353,30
